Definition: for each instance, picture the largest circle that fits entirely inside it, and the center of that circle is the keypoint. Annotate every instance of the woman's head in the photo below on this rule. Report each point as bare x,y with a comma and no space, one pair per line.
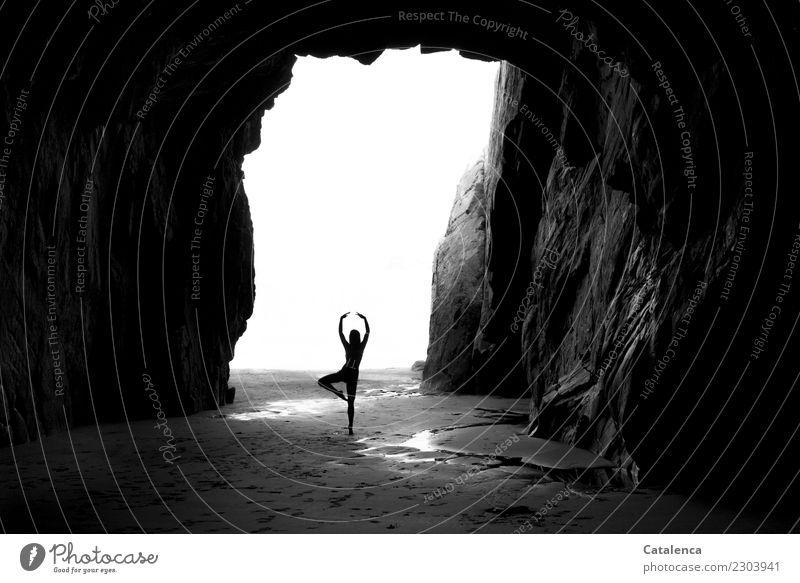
355,337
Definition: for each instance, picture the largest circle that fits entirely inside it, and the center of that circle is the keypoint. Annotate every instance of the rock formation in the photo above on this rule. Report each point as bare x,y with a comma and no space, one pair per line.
624,261
459,268
639,220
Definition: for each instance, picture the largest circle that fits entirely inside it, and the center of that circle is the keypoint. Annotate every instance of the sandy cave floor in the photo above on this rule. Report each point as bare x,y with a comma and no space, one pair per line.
280,460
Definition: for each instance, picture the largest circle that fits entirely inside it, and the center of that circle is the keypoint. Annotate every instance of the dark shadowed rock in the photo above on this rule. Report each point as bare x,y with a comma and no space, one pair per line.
230,395
602,235
623,255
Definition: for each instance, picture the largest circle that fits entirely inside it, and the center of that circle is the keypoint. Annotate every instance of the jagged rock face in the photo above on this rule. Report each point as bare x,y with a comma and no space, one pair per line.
126,237
459,269
418,366
595,237
616,288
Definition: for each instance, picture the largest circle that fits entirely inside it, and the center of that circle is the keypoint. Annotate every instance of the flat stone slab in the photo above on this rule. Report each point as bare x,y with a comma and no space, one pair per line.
562,456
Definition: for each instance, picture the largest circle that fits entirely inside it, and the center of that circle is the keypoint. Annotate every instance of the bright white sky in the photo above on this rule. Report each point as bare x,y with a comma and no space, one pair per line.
350,193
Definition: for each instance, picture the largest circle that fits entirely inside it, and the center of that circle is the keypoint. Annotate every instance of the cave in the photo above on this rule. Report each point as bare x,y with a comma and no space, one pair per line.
633,271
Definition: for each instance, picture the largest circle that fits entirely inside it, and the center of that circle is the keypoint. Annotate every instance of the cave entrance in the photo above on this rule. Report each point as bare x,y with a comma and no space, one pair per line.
350,193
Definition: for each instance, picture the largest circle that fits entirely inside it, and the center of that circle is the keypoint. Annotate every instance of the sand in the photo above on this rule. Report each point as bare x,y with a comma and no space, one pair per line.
280,460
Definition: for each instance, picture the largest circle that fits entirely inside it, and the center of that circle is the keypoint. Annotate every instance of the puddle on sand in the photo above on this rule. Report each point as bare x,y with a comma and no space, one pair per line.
474,460
253,415
423,441
418,448
415,450
286,409
414,457
401,453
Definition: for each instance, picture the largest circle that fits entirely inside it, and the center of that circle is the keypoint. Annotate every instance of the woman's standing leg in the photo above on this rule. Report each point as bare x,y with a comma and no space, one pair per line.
351,398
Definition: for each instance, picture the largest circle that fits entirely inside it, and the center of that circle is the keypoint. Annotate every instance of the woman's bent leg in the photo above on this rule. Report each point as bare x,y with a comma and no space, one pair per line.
327,381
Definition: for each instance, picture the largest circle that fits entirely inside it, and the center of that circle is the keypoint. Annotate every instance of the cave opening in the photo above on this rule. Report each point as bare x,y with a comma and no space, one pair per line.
350,193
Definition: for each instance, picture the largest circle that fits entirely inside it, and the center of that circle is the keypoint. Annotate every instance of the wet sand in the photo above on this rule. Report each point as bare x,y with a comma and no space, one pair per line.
280,460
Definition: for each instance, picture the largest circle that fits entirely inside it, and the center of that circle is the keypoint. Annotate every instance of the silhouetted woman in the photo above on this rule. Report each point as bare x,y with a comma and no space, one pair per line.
353,351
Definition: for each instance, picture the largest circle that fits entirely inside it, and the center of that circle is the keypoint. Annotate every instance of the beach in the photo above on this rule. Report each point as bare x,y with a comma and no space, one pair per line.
279,459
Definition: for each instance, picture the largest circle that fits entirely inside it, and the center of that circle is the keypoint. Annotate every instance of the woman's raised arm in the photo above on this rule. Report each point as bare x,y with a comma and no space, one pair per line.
341,334
366,329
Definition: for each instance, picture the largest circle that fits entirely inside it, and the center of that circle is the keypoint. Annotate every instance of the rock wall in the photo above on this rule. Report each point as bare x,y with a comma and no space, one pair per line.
126,235
459,269
633,269
612,189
